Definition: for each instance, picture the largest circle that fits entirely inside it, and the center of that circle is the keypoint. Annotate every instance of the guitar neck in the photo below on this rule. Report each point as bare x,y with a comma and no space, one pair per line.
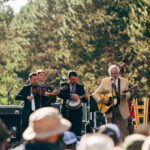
130,89
82,96
125,91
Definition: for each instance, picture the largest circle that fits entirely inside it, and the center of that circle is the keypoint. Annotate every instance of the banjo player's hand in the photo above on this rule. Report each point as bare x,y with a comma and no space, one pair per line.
87,96
74,97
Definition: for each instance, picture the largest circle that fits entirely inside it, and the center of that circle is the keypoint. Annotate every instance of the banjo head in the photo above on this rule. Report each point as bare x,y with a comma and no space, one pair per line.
72,104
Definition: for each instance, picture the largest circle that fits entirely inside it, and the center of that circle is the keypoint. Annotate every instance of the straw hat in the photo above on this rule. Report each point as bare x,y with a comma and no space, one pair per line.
45,122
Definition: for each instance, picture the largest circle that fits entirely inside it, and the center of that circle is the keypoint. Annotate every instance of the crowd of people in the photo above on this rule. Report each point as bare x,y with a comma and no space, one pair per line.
45,127
49,130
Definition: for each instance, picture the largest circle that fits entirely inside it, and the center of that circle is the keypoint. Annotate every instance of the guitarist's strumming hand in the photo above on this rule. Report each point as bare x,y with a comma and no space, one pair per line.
104,101
123,96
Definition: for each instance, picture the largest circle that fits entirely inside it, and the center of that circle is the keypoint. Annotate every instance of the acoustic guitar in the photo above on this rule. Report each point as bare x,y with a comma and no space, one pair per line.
112,99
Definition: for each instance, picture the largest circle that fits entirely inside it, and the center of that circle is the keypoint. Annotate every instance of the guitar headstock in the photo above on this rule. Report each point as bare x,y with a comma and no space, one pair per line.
133,88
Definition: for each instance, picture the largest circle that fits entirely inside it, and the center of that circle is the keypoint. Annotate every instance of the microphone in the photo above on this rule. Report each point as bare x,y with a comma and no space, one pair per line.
112,80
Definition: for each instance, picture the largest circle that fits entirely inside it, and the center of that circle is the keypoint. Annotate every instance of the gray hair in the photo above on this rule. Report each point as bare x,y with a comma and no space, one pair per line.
113,67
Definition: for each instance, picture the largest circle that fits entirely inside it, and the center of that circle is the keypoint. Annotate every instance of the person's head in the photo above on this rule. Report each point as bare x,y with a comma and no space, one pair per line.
33,78
96,142
146,144
41,75
4,135
45,125
112,131
70,140
113,71
72,77
142,129
133,142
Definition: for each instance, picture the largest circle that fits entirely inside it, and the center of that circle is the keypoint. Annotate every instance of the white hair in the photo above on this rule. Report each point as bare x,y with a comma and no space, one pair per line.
113,67
96,142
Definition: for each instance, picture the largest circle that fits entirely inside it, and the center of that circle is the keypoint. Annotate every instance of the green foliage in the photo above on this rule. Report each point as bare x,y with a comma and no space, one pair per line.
84,35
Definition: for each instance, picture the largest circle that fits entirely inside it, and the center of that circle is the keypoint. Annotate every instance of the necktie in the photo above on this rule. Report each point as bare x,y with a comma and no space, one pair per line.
72,88
32,102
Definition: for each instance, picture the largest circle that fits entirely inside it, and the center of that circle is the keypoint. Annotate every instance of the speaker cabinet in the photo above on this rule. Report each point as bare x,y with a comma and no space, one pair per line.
11,116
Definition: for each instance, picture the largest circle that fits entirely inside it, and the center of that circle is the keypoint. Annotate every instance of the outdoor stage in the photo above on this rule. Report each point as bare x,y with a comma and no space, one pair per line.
11,116
92,119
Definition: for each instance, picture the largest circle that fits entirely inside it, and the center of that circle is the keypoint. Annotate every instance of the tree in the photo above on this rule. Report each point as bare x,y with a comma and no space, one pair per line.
84,35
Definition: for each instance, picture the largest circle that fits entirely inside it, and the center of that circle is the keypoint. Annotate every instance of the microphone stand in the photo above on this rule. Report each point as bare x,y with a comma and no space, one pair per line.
113,115
9,91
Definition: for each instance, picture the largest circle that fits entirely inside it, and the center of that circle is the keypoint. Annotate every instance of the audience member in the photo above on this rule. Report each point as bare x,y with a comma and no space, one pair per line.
96,142
45,127
142,129
146,144
112,131
70,140
4,135
133,142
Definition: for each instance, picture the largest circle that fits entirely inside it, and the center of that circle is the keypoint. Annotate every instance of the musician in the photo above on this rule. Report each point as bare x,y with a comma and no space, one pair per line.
48,90
74,115
120,111
31,97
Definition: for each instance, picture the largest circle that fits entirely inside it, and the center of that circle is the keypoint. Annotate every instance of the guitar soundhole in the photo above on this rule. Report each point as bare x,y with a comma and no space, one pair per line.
110,101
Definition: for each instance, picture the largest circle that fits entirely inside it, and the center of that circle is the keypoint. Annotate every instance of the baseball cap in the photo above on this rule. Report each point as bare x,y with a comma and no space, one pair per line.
114,127
69,138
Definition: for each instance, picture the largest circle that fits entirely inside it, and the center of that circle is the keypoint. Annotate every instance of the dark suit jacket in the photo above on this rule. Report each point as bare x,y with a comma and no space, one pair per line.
65,93
74,115
48,100
40,100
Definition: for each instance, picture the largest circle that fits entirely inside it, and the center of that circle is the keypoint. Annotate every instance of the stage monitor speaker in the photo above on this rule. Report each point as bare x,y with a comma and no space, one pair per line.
57,105
11,116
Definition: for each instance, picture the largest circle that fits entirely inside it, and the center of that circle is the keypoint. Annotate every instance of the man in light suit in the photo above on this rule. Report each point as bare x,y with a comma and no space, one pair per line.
120,111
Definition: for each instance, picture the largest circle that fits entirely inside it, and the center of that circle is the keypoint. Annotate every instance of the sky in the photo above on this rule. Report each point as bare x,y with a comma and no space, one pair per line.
17,4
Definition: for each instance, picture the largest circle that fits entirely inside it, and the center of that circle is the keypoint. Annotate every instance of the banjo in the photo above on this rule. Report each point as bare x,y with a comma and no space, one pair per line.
72,103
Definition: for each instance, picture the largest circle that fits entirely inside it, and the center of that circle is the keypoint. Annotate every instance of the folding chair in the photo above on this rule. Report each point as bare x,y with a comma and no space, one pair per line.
141,111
